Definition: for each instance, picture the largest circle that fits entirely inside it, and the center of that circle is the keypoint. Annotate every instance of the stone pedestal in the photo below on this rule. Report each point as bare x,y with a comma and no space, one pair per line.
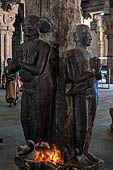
94,166
24,164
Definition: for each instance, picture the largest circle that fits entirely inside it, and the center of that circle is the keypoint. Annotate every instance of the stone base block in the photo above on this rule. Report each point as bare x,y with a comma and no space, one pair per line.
24,164
96,166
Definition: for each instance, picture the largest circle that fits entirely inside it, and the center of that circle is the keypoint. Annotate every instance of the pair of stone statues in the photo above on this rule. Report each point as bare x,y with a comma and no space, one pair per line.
32,59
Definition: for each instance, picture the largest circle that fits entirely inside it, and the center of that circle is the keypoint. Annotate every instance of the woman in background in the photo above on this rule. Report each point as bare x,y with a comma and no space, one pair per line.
12,88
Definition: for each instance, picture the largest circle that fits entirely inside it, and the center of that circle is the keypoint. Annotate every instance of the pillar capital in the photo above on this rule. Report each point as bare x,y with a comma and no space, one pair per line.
12,7
7,17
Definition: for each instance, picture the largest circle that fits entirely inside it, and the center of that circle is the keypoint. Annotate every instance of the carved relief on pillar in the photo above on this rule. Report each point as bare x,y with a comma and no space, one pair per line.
9,19
11,7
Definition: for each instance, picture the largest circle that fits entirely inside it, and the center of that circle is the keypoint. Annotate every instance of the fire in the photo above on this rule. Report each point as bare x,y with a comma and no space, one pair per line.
45,154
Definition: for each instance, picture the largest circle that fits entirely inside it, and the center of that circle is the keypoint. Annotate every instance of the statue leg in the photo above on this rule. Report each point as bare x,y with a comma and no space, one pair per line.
27,116
91,117
27,122
80,114
42,117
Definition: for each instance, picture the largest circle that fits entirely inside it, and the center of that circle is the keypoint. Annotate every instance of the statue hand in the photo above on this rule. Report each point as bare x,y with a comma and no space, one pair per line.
75,89
95,63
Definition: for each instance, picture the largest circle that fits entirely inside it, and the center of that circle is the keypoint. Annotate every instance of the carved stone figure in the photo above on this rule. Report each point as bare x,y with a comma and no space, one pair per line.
83,70
32,60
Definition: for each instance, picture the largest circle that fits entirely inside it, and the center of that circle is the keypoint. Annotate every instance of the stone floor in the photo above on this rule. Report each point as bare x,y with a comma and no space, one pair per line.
12,134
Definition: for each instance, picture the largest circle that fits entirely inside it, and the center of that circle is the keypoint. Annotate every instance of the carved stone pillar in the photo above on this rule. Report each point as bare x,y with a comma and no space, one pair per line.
7,19
6,44
2,51
63,15
109,32
95,38
101,30
10,43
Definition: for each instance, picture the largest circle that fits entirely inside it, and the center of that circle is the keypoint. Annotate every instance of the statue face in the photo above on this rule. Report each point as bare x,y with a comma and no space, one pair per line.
86,37
82,36
29,28
33,25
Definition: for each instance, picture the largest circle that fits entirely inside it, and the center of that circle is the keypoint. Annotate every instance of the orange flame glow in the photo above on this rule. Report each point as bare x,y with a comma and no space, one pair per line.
45,154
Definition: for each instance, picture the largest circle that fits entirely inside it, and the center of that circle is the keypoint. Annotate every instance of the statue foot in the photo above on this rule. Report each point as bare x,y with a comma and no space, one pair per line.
91,157
26,148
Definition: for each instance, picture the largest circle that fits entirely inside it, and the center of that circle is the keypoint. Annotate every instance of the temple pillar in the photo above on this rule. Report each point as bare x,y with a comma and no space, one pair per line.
63,16
2,51
95,38
6,43
101,31
109,32
10,43
7,19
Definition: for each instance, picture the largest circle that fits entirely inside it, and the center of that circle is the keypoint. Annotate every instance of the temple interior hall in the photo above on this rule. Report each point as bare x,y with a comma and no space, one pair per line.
64,16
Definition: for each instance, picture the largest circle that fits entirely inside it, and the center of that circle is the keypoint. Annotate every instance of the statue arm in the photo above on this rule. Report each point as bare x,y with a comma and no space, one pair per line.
15,64
96,66
71,67
80,78
75,71
86,76
41,60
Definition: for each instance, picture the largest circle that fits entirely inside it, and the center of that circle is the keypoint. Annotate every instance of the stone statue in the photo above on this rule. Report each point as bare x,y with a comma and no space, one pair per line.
32,61
83,70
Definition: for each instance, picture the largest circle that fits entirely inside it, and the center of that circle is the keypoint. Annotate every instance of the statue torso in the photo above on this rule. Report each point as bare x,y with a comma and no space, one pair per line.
79,65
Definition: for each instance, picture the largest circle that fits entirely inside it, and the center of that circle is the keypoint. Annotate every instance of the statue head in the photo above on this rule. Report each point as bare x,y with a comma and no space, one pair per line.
82,35
33,25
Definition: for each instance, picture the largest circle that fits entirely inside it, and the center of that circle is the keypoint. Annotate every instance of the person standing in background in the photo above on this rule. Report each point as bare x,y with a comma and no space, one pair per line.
12,89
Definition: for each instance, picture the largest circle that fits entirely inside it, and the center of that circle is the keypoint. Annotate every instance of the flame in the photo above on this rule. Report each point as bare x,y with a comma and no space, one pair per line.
45,154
